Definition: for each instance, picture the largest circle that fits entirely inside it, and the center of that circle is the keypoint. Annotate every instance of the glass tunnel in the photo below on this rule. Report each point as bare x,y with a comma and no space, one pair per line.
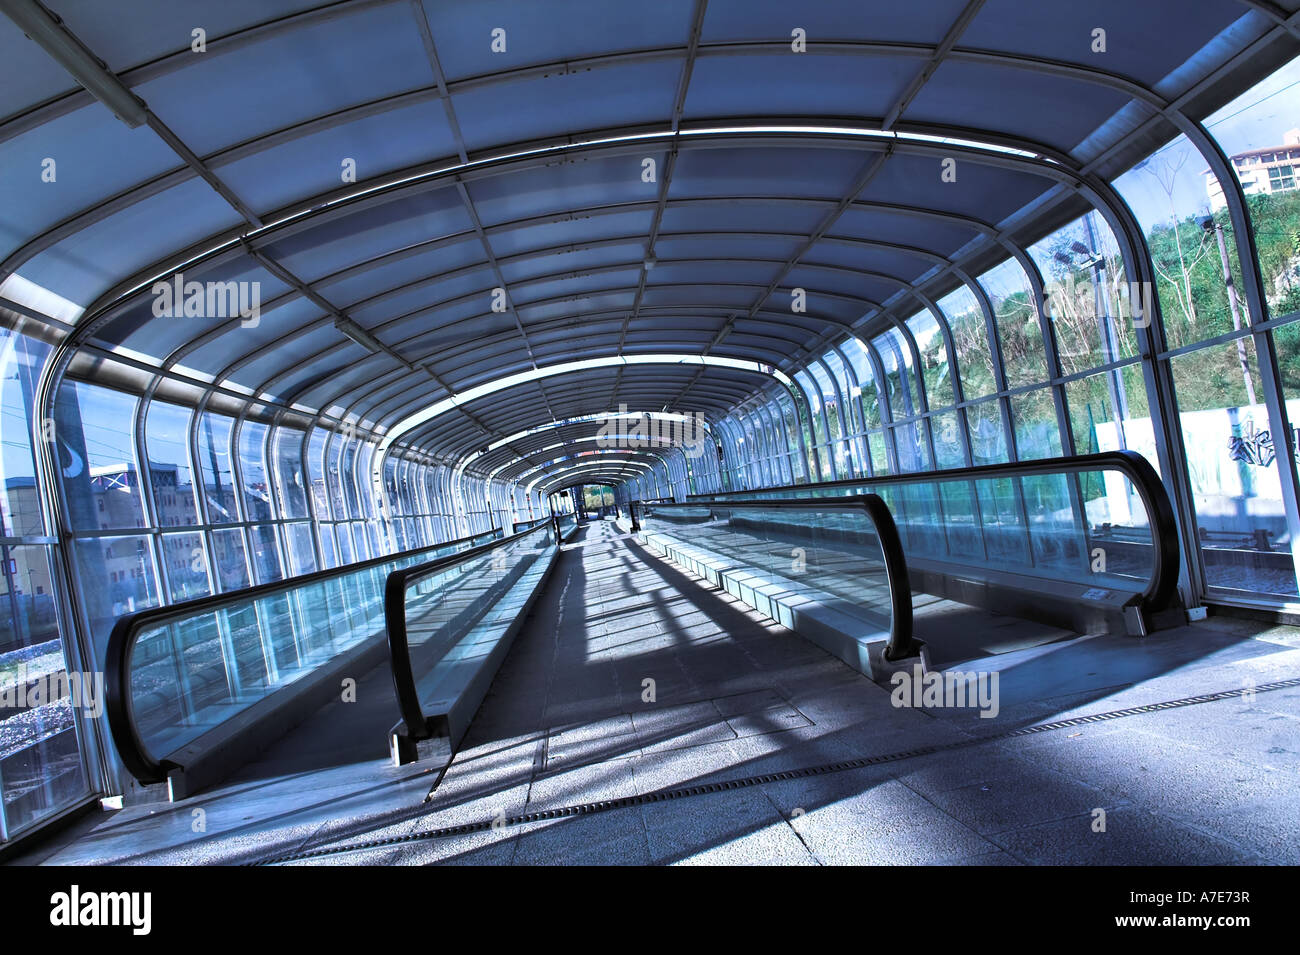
350,290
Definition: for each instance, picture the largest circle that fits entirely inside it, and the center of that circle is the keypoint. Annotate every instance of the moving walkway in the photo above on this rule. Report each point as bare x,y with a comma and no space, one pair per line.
196,689
1089,543
831,569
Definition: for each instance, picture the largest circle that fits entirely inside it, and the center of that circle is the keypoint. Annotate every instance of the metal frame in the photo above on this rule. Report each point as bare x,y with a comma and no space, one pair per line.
1156,114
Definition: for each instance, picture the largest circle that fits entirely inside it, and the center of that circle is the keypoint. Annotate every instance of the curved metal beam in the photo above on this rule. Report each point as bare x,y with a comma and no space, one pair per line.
502,392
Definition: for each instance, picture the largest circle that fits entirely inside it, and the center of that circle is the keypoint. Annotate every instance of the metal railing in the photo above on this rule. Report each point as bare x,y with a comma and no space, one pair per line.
520,526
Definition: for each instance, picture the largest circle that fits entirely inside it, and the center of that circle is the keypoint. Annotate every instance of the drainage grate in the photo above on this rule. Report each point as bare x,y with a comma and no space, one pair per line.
665,795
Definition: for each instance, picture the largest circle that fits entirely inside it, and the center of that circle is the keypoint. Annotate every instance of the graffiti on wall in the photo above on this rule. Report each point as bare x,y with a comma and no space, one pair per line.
1255,445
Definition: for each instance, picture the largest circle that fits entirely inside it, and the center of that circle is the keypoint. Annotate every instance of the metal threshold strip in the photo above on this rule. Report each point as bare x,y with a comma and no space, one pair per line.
701,789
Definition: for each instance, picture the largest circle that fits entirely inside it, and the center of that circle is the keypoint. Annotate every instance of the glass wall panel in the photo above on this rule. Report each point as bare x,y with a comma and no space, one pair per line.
900,381
298,541
813,394
1259,132
1021,336
934,360
94,432
42,770
988,441
834,420
124,580
229,560
406,488
879,454
780,441
186,568
343,535
868,393
360,541
1170,194
830,401
1231,460
329,553
1232,467
334,477
216,468
361,474
1033,416
347,460
46,775
252,468
21,359
790,423
167,430
855,449
316,474
289,473
948,448
1087,294
913,452
266,559
970,338
1108,412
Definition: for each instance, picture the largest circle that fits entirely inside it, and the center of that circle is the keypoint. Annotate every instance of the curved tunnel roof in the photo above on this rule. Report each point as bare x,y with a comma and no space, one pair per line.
599,206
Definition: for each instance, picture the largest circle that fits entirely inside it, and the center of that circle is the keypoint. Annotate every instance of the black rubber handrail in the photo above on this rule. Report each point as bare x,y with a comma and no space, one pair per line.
126,630
418,726
1160,591
902,638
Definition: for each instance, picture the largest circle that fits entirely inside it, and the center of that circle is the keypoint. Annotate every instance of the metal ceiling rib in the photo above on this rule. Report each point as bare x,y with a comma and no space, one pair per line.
527,473
380,328
712,390
568,433
552,250
593,261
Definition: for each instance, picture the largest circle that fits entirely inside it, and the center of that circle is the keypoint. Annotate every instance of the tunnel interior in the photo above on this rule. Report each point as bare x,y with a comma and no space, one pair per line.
291,286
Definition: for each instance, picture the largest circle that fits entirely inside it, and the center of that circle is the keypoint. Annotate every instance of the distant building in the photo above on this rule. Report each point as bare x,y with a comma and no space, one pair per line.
1271,169
125,565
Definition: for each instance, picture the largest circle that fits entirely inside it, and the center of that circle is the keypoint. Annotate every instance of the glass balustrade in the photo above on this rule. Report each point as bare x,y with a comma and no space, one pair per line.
1102,521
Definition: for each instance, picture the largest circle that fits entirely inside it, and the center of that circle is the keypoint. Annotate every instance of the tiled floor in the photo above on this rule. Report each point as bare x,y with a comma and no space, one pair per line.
573,718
